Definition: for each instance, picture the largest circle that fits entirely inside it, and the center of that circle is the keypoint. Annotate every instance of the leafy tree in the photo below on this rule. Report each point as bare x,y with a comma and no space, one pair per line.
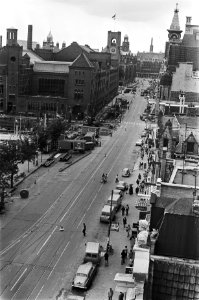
55,129
28,149
10,156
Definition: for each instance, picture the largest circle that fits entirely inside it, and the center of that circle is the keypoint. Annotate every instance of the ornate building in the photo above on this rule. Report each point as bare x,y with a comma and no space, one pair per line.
76,79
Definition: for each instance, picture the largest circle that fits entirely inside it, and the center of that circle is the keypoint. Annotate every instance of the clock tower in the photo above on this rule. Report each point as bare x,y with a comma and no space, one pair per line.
174,31
113,45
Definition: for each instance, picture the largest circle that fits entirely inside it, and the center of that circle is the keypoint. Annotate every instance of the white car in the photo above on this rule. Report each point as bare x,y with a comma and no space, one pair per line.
126,172
84,276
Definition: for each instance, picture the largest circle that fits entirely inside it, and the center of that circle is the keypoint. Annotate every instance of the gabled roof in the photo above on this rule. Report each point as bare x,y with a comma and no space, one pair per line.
33,56
87,48
82,61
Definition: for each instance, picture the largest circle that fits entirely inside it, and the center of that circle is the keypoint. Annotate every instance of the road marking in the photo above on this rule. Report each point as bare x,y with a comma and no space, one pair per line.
39,292
86,184
58,260
9,247
81,220
18,279
47,240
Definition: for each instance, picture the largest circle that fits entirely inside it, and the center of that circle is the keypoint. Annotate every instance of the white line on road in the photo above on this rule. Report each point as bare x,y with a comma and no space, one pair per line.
94,198
39,292
47,240
81,220
18,279
12,245
58,260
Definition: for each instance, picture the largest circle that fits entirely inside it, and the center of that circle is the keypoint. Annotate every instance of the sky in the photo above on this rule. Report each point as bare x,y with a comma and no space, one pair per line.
88,21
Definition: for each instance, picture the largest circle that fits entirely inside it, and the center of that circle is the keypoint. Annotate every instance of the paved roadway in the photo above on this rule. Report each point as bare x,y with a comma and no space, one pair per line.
37,260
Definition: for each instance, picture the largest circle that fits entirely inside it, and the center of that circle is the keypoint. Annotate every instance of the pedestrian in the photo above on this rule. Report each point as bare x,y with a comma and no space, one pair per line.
124,221
35,181
131,254
127,209
110,294
106,258
137,181
128,228
123,257
137,190
123,210
139,176
84,229
121,296
130,189
126,252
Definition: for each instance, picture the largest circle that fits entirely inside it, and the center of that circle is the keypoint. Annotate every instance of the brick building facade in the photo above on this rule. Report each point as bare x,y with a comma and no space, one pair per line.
75,79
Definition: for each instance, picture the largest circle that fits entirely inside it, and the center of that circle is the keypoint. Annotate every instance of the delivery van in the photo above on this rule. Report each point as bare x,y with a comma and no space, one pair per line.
106,213
116,201
92,253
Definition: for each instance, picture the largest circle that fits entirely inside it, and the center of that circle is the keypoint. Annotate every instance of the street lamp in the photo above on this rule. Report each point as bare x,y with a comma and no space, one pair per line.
110,223
195,175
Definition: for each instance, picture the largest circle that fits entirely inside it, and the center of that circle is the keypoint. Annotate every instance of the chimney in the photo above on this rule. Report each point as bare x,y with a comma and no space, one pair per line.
0,41
29,41
188,20
57,45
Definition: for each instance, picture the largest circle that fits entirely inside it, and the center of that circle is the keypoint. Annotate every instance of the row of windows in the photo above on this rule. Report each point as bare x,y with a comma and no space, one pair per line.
79,82
78,94
79,73
51,86
36,106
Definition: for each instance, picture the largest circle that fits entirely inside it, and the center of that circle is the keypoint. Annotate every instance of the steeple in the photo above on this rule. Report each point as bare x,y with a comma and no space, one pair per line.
151,46
174,31
175,25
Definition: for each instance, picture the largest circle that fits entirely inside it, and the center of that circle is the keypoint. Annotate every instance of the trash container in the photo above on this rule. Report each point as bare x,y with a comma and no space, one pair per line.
24,194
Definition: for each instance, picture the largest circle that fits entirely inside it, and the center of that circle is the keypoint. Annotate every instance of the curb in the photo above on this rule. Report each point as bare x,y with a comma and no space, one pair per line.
72,163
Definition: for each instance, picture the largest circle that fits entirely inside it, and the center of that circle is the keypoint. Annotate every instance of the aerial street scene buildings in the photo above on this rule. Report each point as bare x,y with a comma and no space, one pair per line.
99,160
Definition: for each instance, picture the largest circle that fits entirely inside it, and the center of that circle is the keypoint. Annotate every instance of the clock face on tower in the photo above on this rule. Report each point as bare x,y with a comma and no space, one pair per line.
113,41
113,50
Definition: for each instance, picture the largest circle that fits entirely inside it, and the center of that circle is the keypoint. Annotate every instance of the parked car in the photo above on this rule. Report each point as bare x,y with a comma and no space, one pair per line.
66,157
123,186
139,142
126,172
49,162
93,253
118,192
84,276
106,213
116,200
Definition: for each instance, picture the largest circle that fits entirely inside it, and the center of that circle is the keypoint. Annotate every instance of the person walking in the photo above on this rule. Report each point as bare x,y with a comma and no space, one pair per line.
106,256
139,176
124,221
123,257
123,210
84,229
128,228
127,209
137,190
121,296
110,294
137,181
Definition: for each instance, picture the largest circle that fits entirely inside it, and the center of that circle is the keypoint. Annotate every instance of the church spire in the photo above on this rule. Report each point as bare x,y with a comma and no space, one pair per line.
175,25
174,31
151,46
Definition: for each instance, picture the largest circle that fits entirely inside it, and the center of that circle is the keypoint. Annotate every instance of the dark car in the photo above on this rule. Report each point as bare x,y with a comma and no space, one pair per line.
49,162
84,276
66,157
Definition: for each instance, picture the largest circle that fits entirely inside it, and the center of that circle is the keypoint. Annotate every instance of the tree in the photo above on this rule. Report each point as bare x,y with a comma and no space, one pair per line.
55,129
10,156
28,149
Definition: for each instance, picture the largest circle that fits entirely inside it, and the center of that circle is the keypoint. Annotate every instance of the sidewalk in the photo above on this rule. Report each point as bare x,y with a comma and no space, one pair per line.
105,277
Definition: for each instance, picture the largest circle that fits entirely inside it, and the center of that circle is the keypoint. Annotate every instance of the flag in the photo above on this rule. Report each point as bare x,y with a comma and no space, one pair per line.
114,16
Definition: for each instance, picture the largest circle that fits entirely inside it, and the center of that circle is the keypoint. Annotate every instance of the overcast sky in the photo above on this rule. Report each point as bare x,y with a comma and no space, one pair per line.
88,21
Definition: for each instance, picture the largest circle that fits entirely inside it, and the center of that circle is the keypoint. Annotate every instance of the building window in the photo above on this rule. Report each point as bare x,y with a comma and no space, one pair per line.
165,142
190,147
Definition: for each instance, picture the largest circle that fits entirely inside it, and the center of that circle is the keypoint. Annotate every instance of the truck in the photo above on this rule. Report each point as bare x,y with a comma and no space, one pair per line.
116,201
79,145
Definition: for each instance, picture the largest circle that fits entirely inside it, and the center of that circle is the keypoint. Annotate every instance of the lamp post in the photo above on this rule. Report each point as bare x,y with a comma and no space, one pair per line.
109,229
195,175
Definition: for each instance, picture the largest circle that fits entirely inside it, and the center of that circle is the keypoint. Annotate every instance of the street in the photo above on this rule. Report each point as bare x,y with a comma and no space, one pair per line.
37,259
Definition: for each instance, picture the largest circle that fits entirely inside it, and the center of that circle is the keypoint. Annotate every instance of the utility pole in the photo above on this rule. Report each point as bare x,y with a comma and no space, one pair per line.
110,223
